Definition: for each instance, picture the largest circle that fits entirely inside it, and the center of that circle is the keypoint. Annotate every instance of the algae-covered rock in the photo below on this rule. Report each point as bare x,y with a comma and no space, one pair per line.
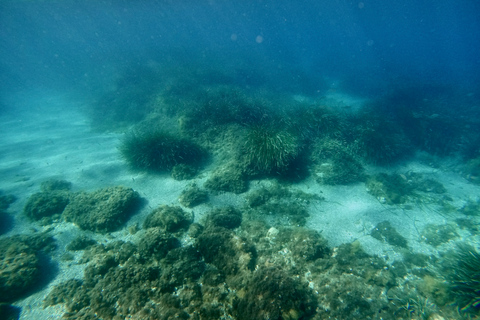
184,172
55,185
281,204
80,243
305,244
384,231
402,188
46,204
230,178
334,164
169,218
228,218
435,235
103,210
389,189
19,268
227,252
192,196
156,244
180,266
273,294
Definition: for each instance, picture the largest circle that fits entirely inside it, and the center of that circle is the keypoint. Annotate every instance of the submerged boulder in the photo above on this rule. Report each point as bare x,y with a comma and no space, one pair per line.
102,211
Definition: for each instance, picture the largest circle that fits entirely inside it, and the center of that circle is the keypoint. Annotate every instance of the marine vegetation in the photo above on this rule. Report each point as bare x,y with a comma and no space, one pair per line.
269,150
272,294
418,307
333,163
21,262
159,151
379,141
192,196
48,204
463,272
230,178
384,231
436,235
168,218
103,210
390,188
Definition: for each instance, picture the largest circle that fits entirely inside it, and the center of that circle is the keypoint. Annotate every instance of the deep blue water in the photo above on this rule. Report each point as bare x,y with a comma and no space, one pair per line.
366,46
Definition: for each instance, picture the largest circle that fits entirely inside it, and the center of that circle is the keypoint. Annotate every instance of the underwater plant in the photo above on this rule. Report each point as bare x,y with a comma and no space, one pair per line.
418,307
269,150
159,151
464,276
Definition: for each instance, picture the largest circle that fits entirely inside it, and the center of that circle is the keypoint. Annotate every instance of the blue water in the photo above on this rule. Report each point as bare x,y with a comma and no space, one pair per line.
302,46
74,66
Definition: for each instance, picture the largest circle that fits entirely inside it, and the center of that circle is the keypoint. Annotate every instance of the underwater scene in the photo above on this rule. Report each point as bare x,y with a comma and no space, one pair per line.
243,160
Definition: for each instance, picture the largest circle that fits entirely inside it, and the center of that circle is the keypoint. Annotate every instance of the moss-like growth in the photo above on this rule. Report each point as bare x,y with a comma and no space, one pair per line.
156,243
228,218
121,282
378,140
227,252
334,165
184,172
269,150
193,196
180,266
103,210
471,208
389,189
305,244
272,294
281,204
230,178
80,243
169,219
55,185
19,266
159,151
47,204
436,235
384,231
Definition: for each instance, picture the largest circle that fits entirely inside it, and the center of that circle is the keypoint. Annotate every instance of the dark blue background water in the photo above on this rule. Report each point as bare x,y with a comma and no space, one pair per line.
364,45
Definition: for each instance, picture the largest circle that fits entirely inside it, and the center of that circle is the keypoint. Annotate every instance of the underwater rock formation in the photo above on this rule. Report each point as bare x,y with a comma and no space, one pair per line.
103,210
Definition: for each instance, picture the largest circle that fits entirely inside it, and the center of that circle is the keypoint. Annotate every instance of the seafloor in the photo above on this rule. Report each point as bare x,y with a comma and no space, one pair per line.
227,202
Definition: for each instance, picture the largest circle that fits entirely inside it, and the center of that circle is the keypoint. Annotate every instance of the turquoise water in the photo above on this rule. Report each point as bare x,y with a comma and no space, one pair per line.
254,160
